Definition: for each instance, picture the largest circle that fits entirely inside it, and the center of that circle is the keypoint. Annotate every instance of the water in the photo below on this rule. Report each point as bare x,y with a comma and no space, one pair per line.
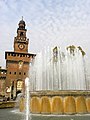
14,114
27,97
59,70
54,70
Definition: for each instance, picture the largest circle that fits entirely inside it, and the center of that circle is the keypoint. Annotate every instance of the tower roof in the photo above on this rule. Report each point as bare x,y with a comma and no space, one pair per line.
21,25
22,22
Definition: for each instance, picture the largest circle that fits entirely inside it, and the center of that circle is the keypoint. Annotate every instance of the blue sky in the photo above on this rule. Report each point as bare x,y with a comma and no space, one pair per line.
49,23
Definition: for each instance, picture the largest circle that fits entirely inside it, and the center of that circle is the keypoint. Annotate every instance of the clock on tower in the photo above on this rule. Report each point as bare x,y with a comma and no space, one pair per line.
21,46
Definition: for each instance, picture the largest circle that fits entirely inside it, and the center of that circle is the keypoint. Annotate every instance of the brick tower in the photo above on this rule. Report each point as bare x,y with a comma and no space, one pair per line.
17,62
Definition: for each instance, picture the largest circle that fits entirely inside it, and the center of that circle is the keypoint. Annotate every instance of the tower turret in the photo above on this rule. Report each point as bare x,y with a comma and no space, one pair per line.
20,41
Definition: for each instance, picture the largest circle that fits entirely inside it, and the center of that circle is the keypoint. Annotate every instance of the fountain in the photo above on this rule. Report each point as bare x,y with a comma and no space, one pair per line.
58,82
59,71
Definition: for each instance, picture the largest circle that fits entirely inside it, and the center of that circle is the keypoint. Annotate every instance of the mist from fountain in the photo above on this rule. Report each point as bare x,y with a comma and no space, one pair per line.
53,69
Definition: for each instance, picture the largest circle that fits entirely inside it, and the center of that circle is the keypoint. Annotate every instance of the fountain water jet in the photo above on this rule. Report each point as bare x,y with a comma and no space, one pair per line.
58,70
27,97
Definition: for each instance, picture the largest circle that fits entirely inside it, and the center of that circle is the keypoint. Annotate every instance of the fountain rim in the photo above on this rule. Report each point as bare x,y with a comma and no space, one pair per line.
60,93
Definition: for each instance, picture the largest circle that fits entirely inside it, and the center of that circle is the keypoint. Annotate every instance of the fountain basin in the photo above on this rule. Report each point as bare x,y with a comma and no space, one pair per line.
58,102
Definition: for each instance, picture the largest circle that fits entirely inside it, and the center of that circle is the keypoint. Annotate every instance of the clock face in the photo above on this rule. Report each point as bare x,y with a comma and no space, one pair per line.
21,46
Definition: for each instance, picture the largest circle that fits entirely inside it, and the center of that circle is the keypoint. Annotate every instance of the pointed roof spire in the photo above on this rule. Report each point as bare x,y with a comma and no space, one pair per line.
22,17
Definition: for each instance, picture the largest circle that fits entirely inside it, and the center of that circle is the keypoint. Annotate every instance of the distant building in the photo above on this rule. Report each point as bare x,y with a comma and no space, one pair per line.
3,73
17,62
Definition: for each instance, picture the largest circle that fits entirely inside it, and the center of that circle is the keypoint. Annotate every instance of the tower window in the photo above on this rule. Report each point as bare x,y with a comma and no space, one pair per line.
24,73
21,34
9,72
14,73
19,73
